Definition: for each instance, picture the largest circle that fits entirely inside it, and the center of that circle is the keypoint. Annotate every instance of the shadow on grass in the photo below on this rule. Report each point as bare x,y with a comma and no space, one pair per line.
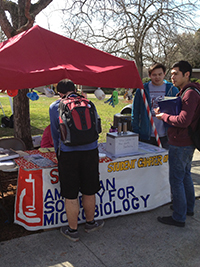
36,131
9,132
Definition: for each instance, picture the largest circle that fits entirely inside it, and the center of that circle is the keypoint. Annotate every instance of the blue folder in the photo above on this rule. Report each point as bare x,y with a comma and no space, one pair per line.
170,105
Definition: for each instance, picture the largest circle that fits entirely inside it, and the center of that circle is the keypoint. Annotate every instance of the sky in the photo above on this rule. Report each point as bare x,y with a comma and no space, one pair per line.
50,18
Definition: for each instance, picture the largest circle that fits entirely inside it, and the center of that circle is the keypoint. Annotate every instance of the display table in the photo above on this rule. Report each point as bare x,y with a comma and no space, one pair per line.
128,185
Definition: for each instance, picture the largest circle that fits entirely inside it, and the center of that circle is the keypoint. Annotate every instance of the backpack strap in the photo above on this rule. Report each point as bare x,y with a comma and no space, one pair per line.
190,131
71,94
74,93
189,88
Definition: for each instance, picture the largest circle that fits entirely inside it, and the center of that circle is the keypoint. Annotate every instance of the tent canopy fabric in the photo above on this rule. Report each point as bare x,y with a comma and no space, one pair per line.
39,57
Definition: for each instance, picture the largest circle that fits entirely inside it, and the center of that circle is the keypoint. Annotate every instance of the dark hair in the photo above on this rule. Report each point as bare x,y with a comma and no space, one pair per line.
65,86
157,66
183,66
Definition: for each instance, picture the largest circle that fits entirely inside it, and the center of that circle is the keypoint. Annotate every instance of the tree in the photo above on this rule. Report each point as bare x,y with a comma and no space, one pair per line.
197,48
179,46
188,46
16,17
122,26
160,47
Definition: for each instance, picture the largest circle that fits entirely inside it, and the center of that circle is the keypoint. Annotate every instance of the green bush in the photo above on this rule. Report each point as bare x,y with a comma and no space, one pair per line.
146,79
198,81
194,79
108,90
121,91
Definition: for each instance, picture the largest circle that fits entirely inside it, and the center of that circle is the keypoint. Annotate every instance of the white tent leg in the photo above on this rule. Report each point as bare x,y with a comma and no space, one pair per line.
11,103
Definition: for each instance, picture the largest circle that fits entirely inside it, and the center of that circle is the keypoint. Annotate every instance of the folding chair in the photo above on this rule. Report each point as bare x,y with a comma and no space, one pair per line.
7,175
12,142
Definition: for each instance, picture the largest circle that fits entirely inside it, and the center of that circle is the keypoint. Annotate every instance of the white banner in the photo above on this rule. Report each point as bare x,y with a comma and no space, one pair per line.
128,185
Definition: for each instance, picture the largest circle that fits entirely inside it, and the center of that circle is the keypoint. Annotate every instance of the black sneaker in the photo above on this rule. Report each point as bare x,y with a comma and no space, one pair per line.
73,236
188,213
93,227
170,221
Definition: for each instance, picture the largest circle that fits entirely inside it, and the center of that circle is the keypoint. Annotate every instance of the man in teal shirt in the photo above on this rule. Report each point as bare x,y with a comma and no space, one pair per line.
154,90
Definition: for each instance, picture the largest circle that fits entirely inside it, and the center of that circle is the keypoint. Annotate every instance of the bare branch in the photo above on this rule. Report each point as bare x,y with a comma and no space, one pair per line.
36,8
4,22
22,15
122,26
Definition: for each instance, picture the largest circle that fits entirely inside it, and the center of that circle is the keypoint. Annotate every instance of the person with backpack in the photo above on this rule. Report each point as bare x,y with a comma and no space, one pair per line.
77,154
181,146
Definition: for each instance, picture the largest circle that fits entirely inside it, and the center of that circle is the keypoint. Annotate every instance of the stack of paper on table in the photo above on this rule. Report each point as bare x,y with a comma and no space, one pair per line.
6,154
41,161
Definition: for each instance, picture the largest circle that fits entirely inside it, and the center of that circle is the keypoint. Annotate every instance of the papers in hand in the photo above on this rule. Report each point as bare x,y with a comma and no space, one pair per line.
6,154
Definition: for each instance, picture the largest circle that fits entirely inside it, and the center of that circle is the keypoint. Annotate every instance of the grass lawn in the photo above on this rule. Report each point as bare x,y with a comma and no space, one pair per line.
39,114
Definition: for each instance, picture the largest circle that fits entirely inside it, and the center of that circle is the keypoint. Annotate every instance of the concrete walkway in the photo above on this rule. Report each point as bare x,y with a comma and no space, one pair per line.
136,240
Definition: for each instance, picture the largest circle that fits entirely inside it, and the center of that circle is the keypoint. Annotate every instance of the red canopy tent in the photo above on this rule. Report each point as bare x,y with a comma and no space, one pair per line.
39,57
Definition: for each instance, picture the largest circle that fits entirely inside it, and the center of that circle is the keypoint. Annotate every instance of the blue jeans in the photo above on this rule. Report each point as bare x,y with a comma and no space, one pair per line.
182,186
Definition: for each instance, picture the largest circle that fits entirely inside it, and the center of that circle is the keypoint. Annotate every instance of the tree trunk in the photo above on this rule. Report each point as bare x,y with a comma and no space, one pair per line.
139,64
22,127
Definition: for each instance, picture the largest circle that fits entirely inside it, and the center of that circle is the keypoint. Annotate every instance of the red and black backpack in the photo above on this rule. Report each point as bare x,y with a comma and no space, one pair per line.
78,120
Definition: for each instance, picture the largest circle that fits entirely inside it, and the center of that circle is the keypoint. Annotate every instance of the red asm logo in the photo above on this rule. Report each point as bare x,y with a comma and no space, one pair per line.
29,201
